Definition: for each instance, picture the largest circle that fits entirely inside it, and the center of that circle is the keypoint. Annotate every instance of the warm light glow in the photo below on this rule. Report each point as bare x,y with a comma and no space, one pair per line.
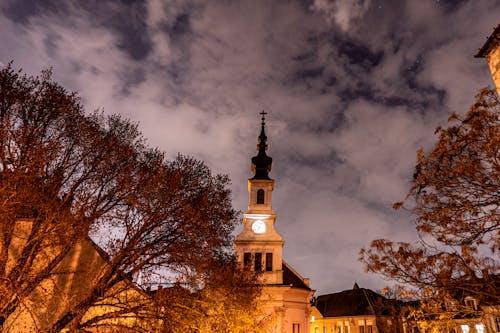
465,328
312,319
256,216
479,328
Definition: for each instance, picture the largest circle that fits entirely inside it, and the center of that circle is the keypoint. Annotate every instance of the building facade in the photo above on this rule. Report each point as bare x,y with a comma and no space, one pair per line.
356,310
70,282
259,247
458,315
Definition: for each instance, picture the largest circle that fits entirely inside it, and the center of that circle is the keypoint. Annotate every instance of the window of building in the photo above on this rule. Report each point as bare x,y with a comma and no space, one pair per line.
247,259
258,261
269,262
479,328
465,328
369,329
296,328
361,329
471,303
451,305
260,196
497,324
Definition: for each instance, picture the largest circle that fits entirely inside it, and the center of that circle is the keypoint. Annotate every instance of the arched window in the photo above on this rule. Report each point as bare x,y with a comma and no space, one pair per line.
260,197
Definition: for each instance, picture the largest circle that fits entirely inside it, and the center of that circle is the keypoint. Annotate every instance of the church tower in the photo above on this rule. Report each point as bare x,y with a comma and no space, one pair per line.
260,247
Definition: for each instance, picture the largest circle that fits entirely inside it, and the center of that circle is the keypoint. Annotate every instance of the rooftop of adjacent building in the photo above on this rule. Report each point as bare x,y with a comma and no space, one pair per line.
352,302
490,43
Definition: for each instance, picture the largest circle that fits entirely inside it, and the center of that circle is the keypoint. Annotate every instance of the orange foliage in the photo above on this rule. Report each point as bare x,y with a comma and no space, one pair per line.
454,199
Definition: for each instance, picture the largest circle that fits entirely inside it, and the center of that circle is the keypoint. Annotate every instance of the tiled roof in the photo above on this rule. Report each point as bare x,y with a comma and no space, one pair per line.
353,302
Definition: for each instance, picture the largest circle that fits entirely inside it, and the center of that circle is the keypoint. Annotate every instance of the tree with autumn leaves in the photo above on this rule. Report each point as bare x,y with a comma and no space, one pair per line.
454,199
65,175
226,303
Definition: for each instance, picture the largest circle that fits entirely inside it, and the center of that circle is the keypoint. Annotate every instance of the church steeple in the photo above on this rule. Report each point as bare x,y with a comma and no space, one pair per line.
259,244
261,163
259,247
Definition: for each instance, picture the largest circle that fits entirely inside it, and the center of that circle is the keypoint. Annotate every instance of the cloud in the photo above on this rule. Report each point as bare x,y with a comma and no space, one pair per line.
379,145
349,101
342,12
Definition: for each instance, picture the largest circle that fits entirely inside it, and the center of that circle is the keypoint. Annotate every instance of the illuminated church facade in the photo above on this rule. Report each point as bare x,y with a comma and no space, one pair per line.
286,294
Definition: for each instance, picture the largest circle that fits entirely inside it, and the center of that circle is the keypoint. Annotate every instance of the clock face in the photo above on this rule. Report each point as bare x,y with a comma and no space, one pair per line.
259,227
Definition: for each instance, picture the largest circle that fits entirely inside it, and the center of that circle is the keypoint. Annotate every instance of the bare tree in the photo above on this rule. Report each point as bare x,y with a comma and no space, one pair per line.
54,164
67,174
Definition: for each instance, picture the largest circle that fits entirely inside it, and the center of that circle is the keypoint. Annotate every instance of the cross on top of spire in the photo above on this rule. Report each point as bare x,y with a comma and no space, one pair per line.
262,146
263,113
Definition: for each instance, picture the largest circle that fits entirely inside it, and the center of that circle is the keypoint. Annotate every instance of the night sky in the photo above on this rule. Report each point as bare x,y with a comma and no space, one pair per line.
352,90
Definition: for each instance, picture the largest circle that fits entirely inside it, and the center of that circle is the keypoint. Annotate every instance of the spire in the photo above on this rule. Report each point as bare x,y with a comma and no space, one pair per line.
262,146
261,164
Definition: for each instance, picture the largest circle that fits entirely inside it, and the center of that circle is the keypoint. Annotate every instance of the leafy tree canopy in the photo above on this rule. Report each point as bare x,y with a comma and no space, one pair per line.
454,199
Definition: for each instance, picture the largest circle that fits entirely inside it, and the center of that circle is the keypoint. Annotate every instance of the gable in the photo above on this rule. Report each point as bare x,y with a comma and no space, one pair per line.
292,278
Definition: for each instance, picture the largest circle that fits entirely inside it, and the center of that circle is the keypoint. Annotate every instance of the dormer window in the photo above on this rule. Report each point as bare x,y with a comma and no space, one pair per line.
451,305
260,197
471,303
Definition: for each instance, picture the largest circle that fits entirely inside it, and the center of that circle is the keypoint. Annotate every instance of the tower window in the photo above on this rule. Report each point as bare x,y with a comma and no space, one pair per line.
260,196
269,262
258,261
247,259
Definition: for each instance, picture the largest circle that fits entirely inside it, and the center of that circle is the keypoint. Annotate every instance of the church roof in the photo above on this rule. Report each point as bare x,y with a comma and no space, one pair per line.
292,278
491,43
352,302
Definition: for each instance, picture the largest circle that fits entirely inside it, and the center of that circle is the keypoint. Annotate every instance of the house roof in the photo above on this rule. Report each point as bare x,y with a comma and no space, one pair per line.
491,43
352,302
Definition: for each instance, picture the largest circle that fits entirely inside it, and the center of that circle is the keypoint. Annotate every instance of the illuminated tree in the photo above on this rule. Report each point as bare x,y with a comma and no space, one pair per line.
53,162
454,198
65,174
228,302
